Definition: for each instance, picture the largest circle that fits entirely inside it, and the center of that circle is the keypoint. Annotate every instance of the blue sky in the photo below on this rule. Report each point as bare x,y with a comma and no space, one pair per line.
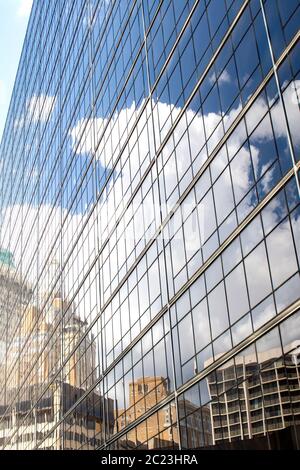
14,15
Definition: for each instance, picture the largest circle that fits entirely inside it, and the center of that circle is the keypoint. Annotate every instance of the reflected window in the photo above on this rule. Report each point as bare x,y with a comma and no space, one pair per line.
252,235
201,325
263,312
228,85
232,255
288,293
207,220
246,57
262,146
241,329
242,173
186,338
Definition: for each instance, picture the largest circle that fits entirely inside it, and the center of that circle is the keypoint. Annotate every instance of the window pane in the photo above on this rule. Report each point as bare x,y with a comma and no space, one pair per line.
241,330
252,235
257,272
186,339
207,218
201,325
218,310
242,173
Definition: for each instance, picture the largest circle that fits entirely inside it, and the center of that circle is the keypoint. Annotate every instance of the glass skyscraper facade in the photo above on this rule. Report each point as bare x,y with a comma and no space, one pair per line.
150,227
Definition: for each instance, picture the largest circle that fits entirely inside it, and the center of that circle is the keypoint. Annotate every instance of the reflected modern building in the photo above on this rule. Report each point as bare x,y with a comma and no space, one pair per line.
51,345
149,195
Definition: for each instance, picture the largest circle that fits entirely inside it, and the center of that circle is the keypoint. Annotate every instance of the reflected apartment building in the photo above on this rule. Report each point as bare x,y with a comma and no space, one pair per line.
149,194
266,399
49,348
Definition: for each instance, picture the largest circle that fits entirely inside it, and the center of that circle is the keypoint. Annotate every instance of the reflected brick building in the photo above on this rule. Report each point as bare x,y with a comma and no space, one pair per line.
146,393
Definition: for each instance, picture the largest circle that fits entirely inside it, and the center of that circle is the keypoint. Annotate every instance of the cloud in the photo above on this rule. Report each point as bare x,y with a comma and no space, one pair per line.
292,108
82,137
283,265
114,136
120,125
24,8
40,107
224,78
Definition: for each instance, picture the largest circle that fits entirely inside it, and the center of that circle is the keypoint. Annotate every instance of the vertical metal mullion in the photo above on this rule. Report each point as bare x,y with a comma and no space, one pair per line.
160,215
60,153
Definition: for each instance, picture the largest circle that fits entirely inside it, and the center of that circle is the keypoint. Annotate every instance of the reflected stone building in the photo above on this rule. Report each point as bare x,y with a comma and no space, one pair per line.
143,395
50,347
14,294
149,194
266,400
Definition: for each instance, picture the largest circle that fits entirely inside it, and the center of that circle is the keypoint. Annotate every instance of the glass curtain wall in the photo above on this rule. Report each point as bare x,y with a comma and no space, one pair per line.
150,227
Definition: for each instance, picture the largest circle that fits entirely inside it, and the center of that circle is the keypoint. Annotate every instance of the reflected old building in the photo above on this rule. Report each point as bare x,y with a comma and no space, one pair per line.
143,395
14,294
51,347
150,196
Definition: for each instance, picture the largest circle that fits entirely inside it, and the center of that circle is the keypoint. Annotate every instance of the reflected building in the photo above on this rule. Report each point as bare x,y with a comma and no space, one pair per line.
81,430
144,394
14,294
50,346
149,192
83,427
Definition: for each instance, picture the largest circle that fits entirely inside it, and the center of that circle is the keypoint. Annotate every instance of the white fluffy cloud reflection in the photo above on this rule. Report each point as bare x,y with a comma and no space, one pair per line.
116,132
38,109
131,163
